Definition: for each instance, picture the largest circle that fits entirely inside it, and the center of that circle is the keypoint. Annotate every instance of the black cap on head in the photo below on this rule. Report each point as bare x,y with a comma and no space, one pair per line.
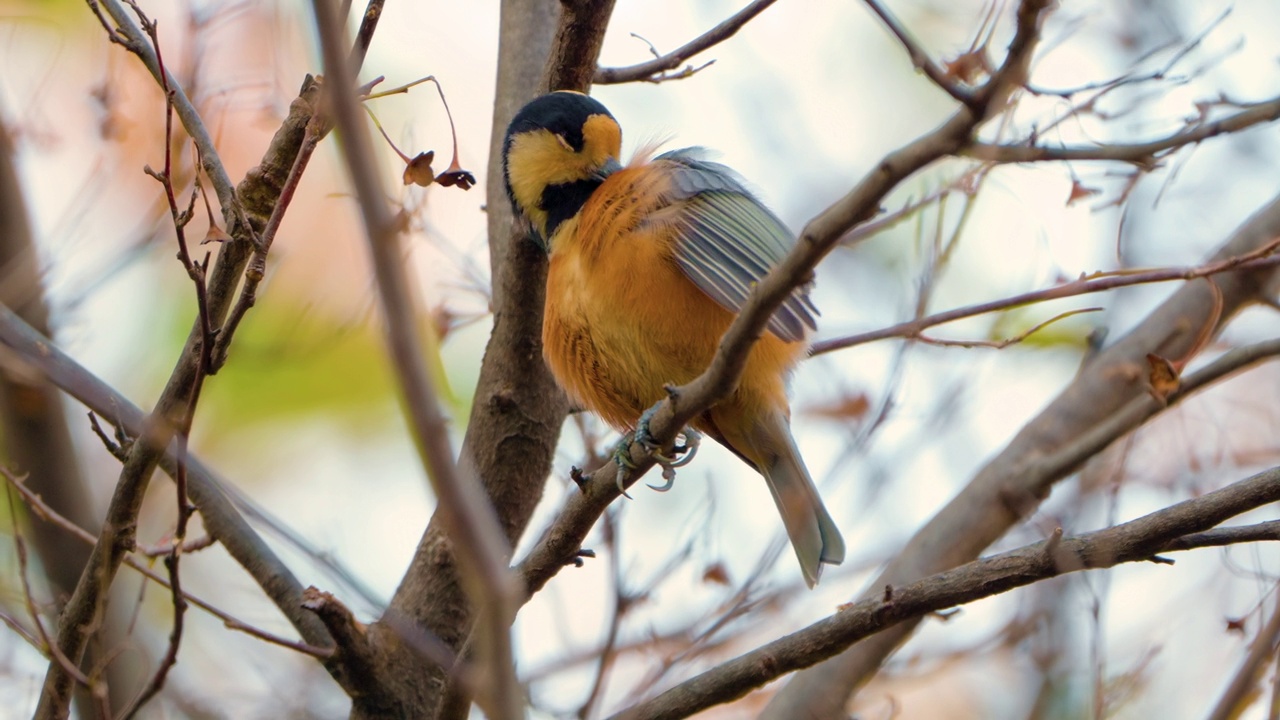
563,113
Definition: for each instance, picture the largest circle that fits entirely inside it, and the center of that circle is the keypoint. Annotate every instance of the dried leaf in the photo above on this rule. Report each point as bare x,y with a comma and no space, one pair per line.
459,177
215,234
1080,192
846,407
1163,377
716,573
418,170
968,67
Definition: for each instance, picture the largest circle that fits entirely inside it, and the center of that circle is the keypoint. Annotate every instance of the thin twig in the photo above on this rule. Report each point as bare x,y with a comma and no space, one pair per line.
919,57
48,514
257,268
364,36
1243,688
650,71
1254,260
1144,154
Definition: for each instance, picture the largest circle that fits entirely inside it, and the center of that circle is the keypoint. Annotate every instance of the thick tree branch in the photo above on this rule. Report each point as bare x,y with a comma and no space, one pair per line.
518,410
1138,540
467,515
651,71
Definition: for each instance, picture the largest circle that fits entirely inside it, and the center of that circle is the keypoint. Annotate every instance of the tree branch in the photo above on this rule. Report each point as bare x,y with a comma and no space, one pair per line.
919,58
1007,488
647,70
1146,153
564,538
1138,540
469,520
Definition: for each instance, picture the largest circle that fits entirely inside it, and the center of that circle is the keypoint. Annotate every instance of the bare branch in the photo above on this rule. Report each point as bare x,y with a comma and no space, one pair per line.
1253,260
563,539
919,57
1144,154
1135,541
478,539
364,36
48,514
654,70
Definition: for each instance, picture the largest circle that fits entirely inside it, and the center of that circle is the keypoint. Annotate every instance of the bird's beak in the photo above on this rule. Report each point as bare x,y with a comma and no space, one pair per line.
611,166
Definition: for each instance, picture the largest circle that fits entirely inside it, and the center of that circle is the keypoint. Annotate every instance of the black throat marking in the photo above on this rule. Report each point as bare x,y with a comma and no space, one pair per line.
563,201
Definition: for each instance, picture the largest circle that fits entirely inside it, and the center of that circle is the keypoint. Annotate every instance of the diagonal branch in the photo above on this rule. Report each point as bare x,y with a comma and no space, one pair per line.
919,57
1012,483
1252,260
1140,540
650,71
118,535
560,543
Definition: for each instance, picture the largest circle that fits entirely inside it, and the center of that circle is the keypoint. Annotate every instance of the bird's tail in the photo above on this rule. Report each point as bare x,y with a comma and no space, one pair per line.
814,535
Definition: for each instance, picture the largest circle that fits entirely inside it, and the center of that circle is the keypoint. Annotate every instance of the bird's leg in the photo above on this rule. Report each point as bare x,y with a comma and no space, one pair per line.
681,453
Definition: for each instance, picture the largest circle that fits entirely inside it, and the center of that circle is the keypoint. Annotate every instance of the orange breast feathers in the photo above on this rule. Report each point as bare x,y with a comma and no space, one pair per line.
622,318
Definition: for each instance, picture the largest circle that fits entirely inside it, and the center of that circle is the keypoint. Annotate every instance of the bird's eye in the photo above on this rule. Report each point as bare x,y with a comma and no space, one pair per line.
564,143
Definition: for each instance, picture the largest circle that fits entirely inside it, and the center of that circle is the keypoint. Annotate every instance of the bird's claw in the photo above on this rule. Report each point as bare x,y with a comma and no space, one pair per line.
680,456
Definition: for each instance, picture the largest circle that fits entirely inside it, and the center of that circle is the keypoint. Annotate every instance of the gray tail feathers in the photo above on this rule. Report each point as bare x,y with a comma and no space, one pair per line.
814,536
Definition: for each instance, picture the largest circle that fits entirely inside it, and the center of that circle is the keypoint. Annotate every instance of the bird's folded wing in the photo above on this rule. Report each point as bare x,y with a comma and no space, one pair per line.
728,241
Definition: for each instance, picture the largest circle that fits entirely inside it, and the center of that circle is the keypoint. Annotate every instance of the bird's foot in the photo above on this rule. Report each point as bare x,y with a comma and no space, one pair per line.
680,456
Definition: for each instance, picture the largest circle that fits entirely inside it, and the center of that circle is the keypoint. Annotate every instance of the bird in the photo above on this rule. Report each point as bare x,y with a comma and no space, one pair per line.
648,264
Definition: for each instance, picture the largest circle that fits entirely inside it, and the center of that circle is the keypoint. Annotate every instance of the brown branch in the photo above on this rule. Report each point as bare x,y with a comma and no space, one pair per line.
469,519
46,645
65,525
1249,261
86,603
196,273
364,36
919,58
564,537
313,132
518,410
1219,537
1006,342
652,70
1144,154
1138,540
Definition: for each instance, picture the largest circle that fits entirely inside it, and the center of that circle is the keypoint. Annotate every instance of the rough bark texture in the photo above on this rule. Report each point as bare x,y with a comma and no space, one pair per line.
1000,494
517,410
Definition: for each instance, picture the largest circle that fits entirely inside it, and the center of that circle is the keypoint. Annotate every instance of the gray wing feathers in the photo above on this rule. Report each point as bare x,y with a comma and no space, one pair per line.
729,241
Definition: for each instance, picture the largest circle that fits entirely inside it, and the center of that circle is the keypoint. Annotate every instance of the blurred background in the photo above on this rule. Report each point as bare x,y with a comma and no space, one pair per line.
802,102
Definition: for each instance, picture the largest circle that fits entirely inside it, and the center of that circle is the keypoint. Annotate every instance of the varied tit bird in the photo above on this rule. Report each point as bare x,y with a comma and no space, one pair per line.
649,264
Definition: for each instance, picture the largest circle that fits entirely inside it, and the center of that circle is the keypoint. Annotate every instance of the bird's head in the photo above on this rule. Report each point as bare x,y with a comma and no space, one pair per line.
558,150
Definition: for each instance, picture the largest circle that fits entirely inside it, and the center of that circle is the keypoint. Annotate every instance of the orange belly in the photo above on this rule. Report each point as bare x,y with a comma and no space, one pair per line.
622,320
